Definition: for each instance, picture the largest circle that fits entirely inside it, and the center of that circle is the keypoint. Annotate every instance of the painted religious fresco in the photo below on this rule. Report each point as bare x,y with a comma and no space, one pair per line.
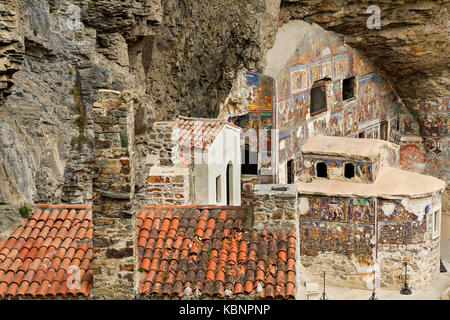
302,102
434,124
371,133
340,66
361,210
394,132
409,126
350,119
322,55
364,171
367,100
262,94
346,239
393,210
283,85
286,146
299,79
359,64
336,125
428,119
340,209
397,225
336,99
287,113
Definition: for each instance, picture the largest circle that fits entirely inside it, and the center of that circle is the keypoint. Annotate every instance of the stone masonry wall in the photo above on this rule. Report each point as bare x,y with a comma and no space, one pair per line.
113,190
405,234
358,241
274,207
168,186
337,235
160,141
248,183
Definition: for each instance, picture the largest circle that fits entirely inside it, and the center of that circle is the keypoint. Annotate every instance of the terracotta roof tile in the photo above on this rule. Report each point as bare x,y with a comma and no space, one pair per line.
198,133
208,252
38,256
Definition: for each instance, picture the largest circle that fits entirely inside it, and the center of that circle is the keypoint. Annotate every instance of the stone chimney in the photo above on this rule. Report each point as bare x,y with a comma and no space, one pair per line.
113,192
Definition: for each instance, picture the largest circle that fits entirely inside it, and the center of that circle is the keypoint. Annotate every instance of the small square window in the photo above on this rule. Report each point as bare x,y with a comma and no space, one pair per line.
318,98
348,88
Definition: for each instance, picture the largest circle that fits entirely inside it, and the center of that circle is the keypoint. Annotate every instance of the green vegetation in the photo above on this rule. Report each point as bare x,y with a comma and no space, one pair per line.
75,91
78,140
81,121
25,210
92,4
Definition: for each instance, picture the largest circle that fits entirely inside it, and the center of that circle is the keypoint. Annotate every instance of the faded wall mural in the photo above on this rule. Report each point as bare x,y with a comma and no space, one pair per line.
352,237
322,55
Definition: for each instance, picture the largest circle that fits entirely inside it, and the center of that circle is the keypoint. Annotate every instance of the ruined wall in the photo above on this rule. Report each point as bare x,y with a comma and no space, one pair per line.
426,119
168,186
113,187
357,240
337,235
424,130
274,207
405,233
248,183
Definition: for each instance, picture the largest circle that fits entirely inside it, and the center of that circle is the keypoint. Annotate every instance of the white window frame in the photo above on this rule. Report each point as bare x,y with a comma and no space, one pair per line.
436,224
218,189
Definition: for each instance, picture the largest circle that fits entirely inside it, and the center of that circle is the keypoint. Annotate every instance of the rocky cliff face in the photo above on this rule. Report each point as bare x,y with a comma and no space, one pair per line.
411,46
179,57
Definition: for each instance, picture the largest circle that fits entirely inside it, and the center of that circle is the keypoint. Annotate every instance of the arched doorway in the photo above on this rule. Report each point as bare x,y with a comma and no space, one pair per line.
230,183
349,170
321,170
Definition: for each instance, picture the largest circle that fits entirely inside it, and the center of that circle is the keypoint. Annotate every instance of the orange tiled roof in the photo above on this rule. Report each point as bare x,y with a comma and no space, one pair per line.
199,132
209,252
41,255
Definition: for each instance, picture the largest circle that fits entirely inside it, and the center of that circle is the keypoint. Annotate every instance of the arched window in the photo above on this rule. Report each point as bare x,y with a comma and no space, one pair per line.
230,184
321,170
218,189
349,170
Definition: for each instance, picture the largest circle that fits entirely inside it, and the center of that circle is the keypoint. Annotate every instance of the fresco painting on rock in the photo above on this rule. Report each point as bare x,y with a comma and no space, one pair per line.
336,100
350,119
262,91
336,125
283,85
322,55
299,79
302,102
367,98
340,225
340,66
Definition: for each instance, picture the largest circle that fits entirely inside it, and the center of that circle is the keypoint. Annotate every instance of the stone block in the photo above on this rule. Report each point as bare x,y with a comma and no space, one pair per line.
155,179
119,253
259,217
277,214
